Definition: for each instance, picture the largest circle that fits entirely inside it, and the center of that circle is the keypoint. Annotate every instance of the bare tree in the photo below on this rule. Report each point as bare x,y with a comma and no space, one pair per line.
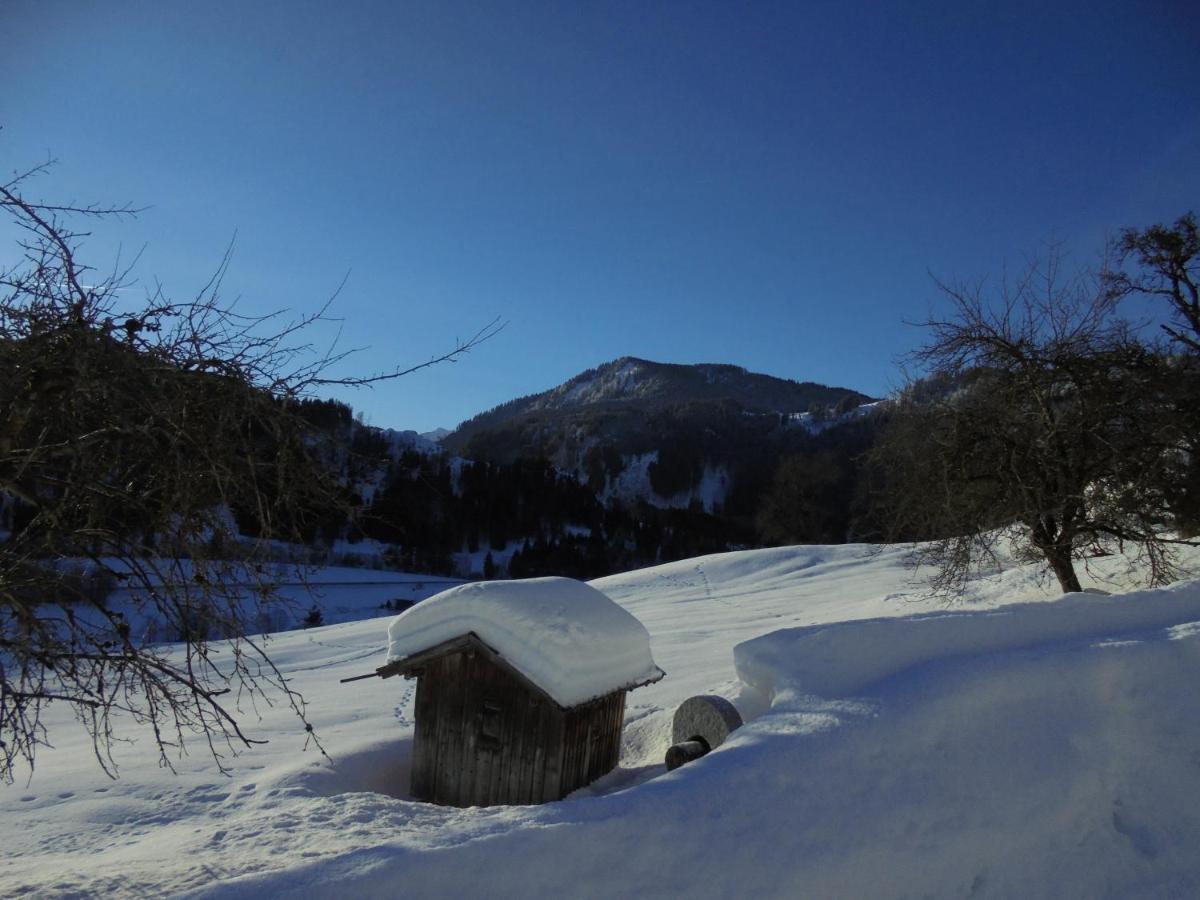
1060,432
133,439
1166,264
1163,262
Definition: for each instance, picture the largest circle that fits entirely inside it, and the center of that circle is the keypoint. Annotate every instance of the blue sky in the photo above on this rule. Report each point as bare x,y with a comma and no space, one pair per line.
769,185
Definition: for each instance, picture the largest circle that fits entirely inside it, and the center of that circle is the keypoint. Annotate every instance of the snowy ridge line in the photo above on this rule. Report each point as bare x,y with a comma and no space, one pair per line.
846,658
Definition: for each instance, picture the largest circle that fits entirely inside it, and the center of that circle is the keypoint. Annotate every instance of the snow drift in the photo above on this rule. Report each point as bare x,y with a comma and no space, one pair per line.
846,658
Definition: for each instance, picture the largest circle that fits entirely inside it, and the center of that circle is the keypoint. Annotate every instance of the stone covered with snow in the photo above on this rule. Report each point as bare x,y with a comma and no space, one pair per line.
566,637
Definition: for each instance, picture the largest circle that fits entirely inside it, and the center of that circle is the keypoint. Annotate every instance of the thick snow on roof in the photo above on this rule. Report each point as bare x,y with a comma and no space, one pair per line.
563,635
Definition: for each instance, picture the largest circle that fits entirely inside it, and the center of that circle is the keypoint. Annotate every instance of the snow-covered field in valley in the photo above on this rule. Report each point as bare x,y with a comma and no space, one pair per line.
1015,745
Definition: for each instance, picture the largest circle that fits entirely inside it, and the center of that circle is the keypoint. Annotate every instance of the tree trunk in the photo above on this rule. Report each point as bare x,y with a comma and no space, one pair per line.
1052,539
1064,569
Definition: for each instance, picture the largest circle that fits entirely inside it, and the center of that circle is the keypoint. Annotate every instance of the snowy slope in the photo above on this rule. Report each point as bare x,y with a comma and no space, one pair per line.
1044,758
340,593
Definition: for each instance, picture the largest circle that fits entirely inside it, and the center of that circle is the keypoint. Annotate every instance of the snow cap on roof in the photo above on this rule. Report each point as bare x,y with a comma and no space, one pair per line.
565,636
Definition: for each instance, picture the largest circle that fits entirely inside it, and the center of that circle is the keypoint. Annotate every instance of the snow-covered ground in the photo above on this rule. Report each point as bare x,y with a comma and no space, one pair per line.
340,593
893,747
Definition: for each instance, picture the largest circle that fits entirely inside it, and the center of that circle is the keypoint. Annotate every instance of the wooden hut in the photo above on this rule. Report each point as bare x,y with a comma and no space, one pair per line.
520,688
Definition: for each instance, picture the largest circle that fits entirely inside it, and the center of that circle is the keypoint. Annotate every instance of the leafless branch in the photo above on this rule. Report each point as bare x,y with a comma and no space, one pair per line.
140,442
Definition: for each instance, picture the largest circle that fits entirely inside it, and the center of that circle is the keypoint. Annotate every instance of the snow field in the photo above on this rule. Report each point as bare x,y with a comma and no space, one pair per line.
944,758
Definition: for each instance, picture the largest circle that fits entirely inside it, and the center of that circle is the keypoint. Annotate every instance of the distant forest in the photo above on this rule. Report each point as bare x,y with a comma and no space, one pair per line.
526,518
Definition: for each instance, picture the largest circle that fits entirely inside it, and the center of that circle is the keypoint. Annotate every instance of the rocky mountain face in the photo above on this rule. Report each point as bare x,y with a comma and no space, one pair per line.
676,435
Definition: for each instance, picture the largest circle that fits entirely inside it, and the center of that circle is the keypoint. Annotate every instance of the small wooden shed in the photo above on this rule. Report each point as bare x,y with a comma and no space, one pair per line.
520,688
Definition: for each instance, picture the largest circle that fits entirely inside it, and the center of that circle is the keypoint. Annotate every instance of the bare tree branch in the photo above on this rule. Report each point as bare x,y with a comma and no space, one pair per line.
152,447
1054,428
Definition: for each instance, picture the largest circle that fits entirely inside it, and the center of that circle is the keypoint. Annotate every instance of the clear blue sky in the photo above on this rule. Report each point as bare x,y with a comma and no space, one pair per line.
768,185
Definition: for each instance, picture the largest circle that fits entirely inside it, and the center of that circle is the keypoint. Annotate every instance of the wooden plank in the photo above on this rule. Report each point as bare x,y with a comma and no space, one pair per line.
437,735
440,688
451,714
531,729
508,779
576,727
610,738
469,726
591,742
519,774
570,721
505,696
587,739
618,728
423,760
541,748
514,699
553,736
615,716
579,746
521,780
618,721
486,760
522,772
600,762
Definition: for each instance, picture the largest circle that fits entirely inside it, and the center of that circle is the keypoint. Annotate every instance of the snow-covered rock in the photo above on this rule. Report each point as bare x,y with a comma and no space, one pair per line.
563,635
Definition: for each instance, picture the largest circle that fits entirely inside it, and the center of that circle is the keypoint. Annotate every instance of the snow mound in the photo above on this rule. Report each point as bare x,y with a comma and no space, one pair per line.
1060,769
846,658
563,635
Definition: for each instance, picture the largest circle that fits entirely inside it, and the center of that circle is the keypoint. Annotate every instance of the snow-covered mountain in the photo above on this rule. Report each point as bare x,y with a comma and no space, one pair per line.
400,441
632,383
436,435
631,379
674,435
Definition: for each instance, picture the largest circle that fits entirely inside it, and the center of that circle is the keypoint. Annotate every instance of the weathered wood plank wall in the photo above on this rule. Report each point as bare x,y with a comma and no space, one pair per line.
483,737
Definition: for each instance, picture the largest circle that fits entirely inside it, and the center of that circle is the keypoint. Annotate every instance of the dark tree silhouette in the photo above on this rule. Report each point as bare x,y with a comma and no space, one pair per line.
1064,434
129,433
1167,265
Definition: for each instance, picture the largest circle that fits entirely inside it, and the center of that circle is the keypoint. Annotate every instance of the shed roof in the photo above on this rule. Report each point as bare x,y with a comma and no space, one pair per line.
565,636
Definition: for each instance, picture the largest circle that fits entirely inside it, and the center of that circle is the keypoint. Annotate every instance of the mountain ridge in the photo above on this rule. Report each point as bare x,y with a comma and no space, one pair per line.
673,434
647,388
